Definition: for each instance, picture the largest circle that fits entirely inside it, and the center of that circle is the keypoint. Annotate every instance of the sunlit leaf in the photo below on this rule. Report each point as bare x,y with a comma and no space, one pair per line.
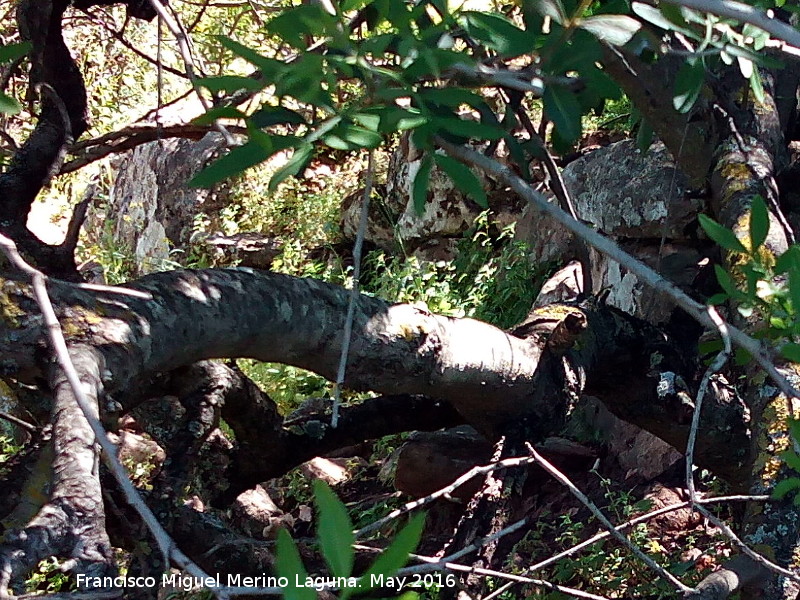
721,235
334,530
348,136
396,555
757,86
288,564
294,24
269,67
614,29
759,223
419,187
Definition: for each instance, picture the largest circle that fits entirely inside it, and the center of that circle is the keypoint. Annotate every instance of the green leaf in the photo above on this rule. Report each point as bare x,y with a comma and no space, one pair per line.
473,129
759,223
233,163
794,429
794,289
497,33
304,80
672,13
334,530
464,178
391,119
302,154
348,5
276,115
789,260
14,51
782,488
614,29
8,105
269,66
230,83
219,112
562,108
757,86
396,555
688,84
759,58
726,282
791,459
294,24
419,188
791,352
289,564
644,136
452,97
721,235
654,16
517,153
347,136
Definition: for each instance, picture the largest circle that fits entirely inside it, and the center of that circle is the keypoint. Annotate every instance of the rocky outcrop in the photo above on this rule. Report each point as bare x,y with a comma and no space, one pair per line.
394,222
637,198
151,208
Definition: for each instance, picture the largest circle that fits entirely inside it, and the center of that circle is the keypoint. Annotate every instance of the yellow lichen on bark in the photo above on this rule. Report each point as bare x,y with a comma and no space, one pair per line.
773,440
9,309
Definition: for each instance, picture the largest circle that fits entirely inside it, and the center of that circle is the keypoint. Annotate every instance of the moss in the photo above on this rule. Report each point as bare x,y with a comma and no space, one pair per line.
11,311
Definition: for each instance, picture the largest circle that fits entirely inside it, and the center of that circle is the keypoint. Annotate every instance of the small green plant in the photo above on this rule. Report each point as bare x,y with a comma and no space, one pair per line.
10,53
7,451
287,386
336,539
48,577
791,485
491,278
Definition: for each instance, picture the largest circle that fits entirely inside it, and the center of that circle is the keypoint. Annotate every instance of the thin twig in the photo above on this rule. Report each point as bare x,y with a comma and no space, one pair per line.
18,422
351,303
566,482
121,39
745,14
420,502
717,364
613,251
627,525
185,51
447,565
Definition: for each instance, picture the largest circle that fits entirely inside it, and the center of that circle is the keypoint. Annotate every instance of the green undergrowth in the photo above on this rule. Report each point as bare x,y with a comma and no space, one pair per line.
607,568
490,279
